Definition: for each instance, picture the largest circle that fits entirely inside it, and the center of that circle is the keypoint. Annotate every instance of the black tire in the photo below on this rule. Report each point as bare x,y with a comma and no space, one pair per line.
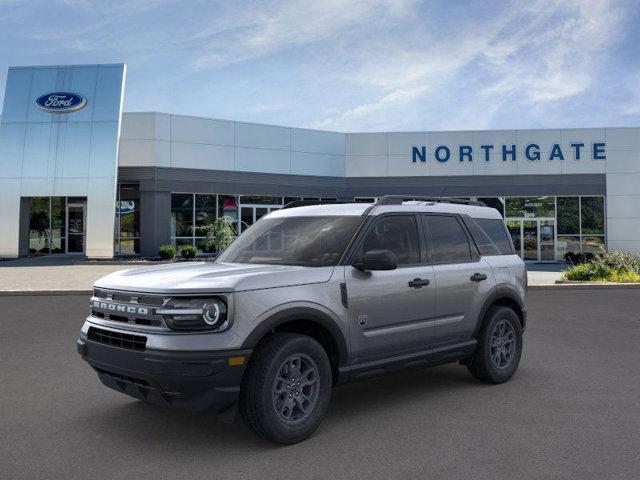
489,363
261,394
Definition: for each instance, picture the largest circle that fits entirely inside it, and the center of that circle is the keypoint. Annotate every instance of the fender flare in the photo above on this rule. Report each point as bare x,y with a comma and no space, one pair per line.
499,292
300,313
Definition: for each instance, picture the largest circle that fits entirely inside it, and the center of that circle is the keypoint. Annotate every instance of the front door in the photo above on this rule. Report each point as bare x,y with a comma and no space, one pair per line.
390,313
75,227
534,239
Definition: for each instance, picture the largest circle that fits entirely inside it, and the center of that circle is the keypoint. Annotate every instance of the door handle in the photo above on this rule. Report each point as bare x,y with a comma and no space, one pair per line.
418,282
478,277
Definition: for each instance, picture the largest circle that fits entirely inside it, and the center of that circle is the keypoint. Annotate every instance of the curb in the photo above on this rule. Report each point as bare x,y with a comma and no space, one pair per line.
41,293
585,286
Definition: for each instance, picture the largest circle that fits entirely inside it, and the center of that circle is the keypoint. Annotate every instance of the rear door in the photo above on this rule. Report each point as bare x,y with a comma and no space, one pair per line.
391,312
462,278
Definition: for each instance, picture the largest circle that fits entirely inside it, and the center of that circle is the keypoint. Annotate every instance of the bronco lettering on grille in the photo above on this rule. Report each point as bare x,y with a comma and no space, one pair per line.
116,307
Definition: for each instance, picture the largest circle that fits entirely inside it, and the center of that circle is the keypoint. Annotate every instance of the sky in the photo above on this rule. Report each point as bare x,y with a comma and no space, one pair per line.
351,65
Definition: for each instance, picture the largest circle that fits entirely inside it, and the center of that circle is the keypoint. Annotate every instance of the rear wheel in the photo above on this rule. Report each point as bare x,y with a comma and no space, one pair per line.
499,346
287,388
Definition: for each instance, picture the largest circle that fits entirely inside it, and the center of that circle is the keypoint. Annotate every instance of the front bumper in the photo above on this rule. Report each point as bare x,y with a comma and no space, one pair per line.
190,380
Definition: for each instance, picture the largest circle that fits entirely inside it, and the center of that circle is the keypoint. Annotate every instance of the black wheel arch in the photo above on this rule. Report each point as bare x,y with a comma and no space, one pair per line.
308,321
505,295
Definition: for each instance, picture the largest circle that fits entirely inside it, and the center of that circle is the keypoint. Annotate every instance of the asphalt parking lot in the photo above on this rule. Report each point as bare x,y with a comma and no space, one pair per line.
571,411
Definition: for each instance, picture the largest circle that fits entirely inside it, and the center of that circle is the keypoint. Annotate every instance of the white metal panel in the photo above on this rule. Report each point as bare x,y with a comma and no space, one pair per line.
623,139
201,130
366,166
138,126
366,144
315,141
401,143
198,155
303,163
262,136
139,153
263,160
622,161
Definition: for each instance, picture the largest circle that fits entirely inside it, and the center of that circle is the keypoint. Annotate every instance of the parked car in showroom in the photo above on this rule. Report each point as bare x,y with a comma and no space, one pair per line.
310,297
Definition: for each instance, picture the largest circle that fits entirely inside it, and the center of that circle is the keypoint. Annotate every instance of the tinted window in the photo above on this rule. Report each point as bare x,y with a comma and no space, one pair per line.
398,233
486,246
304,241
495,230
448,242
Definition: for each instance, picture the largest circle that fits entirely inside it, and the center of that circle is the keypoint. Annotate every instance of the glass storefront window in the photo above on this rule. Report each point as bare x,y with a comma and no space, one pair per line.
593,244
48,228
181,214
493,202
567,244
260,200
39,225
228,208
568,216
592,214
205,210
127,226
530,207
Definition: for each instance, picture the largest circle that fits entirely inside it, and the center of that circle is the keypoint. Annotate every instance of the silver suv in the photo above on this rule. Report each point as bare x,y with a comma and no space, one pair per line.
310,297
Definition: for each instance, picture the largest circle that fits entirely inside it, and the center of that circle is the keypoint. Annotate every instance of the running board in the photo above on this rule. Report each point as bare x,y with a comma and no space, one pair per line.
425,358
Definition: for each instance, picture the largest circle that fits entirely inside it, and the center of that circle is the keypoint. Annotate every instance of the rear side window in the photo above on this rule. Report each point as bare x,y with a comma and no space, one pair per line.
397,233
448,241
484,243
496,231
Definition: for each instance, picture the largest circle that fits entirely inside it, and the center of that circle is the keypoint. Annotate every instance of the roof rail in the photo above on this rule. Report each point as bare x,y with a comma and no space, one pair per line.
306,203
399,199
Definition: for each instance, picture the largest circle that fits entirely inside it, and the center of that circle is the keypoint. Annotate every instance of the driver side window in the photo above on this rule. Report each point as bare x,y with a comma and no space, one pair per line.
397,233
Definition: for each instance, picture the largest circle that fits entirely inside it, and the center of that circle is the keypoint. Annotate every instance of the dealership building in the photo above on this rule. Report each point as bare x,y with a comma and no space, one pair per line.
79,176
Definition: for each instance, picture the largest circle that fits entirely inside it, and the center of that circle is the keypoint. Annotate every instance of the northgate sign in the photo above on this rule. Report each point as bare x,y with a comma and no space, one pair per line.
532,152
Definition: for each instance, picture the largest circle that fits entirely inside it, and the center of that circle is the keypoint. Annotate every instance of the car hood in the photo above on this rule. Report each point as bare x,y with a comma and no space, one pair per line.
210,277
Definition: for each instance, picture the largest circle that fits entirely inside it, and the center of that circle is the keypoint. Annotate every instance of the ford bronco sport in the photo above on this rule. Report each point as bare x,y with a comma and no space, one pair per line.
310,297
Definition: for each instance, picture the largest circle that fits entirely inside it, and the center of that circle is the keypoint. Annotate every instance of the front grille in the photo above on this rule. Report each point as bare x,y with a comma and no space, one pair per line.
117,339
128,308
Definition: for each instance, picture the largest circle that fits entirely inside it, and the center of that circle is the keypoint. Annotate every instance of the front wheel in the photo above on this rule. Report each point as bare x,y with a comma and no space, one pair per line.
499,346
287,388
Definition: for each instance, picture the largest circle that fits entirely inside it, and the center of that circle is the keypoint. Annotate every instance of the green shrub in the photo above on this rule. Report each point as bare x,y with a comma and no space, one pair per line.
615,266
189,251
219,234
167,252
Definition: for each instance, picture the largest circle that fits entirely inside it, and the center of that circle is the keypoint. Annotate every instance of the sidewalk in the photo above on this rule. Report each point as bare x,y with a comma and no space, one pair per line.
545,273
56,275
62,275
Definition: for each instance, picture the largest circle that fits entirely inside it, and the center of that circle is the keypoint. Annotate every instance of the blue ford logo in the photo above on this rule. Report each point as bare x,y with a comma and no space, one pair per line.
61,102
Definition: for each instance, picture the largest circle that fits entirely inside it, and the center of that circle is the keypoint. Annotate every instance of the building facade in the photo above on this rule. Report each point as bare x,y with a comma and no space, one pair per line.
560,190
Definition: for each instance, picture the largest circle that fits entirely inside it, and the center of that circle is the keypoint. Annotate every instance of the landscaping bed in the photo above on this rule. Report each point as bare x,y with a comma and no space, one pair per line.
612,267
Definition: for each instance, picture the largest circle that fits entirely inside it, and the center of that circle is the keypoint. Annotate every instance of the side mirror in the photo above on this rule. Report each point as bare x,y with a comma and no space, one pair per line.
378,260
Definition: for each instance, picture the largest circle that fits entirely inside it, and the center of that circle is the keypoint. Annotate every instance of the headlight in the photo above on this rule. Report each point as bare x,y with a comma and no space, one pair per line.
195,314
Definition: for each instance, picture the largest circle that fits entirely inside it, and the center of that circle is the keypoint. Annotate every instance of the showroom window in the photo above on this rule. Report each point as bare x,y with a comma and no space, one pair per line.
580,225
188,212
127,226
57,225
530,207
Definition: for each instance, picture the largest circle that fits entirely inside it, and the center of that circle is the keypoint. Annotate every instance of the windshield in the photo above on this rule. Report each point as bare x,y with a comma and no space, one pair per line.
304,241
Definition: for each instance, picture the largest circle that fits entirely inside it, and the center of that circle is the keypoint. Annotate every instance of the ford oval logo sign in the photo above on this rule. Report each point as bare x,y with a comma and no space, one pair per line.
61,102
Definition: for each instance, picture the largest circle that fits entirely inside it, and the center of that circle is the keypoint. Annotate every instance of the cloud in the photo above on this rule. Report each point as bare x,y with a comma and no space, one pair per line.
342,64
534,53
